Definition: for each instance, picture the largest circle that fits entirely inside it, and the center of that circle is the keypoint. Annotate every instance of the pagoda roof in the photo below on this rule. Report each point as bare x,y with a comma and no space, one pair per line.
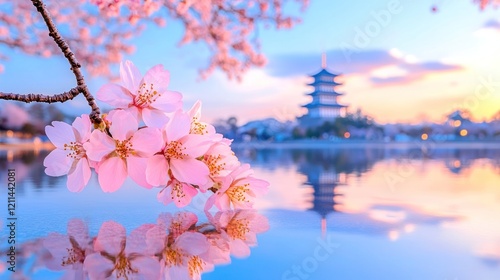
313,105
317,83
324,72
314,93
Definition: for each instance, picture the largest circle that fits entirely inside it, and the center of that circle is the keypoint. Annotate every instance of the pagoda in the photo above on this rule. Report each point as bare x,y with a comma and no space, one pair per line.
324,106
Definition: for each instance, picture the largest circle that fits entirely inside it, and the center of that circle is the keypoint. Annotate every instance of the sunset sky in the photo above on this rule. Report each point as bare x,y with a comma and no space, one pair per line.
400,63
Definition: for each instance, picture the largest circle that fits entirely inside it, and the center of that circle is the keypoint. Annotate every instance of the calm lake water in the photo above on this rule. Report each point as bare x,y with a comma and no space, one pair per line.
363,213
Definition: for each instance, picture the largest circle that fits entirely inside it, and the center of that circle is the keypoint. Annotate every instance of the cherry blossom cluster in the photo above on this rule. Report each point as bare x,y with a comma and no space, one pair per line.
484,3
149,138
99,30
178,246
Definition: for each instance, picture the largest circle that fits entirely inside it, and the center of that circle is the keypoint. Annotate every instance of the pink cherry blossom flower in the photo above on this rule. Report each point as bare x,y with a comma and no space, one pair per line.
68,252
120,257
125,153
147,98
70,156
199,127
180,193
238,189
179,156
221,161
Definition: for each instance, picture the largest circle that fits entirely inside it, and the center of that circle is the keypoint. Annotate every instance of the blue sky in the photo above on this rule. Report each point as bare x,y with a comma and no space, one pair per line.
409,66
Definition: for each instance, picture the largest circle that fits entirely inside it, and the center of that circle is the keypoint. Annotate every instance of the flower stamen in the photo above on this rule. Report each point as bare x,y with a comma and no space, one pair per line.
123,148
76,150
174,150
146,96
238,229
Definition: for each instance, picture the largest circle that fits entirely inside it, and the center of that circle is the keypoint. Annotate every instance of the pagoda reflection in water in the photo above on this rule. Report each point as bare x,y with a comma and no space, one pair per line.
328,170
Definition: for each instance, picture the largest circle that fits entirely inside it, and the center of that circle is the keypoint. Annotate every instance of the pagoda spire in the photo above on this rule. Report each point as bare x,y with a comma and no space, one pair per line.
323,60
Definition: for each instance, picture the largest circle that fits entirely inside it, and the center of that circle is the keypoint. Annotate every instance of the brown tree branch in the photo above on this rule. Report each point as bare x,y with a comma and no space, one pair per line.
75,67
27,98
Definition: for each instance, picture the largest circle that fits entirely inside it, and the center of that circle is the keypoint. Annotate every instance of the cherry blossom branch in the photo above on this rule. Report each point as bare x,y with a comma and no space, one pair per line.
227,28
75,68
27,98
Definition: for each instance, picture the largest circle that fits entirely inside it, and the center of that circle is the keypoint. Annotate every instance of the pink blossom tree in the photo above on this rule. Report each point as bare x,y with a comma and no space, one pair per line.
485,3
174,150
99,30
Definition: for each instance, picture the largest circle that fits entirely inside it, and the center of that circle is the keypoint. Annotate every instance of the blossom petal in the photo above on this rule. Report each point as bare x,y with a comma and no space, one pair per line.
99,145
130,76
165,196
136,167
80,176
154,118
57,163
157,171
258,187
178,126
112,174
115,95
147,141
123,125
168,102
189,170
183,196
210,202
60,133
195,111
223,202
196,145
82,128
158,77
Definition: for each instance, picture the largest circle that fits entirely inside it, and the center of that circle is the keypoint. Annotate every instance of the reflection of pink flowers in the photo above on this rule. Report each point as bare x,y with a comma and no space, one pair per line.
240,228
177,224
179,156
182,257
69,251
179,248
147,97
120,257
70,156
125,153
238,189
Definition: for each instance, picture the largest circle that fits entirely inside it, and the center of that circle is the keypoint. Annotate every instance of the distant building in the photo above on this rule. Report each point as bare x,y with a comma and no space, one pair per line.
456,119
324,106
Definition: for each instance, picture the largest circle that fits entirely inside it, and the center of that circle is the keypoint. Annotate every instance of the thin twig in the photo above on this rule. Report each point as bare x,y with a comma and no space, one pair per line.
75,67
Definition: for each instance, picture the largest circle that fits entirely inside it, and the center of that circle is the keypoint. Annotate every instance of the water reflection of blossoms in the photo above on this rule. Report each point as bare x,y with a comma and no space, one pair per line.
178,246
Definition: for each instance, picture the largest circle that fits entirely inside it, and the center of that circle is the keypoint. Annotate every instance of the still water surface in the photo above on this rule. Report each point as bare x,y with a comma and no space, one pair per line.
339,213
